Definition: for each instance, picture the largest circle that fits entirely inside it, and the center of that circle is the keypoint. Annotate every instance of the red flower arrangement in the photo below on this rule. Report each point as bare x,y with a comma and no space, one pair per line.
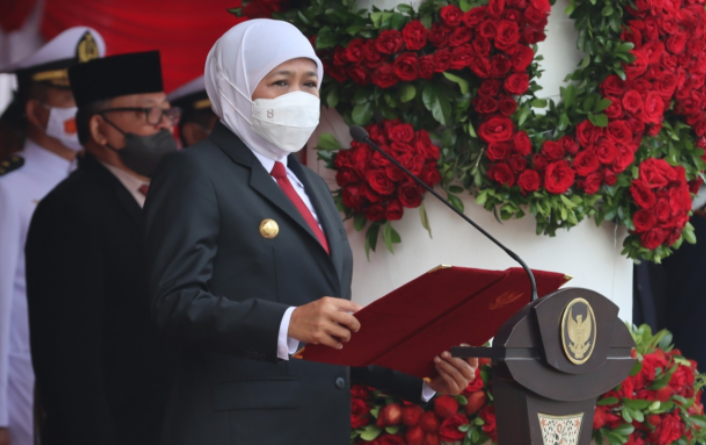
659,404
372,185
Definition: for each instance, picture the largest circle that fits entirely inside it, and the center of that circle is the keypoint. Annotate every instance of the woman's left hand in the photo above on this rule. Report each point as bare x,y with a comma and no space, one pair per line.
454,374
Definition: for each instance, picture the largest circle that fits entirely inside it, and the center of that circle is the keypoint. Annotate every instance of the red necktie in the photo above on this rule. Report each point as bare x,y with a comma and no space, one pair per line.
144,188
279,172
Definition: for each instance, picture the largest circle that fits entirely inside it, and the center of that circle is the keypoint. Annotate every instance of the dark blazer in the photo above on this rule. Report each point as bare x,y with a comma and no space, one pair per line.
103,373
220,289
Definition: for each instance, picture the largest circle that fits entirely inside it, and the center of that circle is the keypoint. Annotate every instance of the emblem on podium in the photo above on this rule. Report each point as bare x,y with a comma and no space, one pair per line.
578,331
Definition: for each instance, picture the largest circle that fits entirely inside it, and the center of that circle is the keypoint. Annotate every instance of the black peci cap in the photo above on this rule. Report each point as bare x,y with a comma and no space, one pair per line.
114,76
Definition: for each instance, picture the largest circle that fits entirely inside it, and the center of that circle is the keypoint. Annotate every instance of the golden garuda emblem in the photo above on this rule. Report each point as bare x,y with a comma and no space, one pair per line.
578,331
87,48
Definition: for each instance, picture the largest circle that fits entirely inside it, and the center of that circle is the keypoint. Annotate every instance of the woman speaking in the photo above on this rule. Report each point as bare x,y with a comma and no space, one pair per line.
248,259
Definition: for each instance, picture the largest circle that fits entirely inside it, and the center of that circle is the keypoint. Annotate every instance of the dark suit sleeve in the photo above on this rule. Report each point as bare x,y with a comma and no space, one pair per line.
65,298
181,229
392,382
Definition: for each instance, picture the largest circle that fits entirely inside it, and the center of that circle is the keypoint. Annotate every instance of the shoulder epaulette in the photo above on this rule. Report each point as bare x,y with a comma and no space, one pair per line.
11,164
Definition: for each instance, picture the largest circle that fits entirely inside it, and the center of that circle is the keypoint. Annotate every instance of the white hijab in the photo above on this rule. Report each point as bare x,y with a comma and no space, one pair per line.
242,57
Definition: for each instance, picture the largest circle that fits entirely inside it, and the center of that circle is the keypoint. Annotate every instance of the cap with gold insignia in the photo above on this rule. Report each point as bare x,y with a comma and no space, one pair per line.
12,163
50,63
190,97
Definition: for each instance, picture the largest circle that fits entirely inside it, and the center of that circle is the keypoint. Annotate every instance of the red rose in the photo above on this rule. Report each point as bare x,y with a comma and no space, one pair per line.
415,436
354,51
426,67
502,174
484,104
389,41
626,155
642,195
346,177
639,65
461,56
586,162
521,58
496,8
606,151
449,431
500,66
432,439
679,199
522,144
541,5
442,60
652,109
406,66
475,16
570,145
375,213
482,46
360,413
359,74
391,414
609,177
489,87
400,132
460,35
670,429
360,392
614,110
532,35
393,211
613,86
410,195
430,174
394,173
656,173
337,72
540,162
451,15
632,102
496,129
488,29
553,150
445,406
476,401
439,35
558,177
592,183
490,427
414,35
518,163
481,67
390,439
587,134
498,151
429,422
508,106
644,220
507,35
619,132
535,16
352,198
603,416
411,414
529,181
377,134
513,15
379,182
372,57
384,76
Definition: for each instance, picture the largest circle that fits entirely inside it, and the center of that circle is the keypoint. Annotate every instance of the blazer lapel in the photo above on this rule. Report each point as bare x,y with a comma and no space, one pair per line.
260,180
126,200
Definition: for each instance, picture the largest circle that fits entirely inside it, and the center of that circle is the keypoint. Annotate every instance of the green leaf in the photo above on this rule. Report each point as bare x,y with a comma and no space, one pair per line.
625,430
407,9
392,429
326,38
462,83
607,401
437,103
539,103
601,105
390,236
362,113
599,120
465,5
398,21
332,98
408,93
370,433
425,218
607,11
328,142
359,222
456,202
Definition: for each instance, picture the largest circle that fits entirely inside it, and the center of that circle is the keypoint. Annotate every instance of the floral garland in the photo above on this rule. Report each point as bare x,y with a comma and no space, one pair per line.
463,71
659,403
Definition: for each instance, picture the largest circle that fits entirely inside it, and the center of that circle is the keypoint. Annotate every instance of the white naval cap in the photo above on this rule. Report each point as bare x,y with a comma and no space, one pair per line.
191,96
49,63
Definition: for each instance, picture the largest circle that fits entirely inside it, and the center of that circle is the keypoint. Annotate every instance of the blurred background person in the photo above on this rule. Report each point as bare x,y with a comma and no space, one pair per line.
103,373
45,107
197,118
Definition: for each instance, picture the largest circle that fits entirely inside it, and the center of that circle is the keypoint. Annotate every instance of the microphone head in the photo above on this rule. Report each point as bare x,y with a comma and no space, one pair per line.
358,133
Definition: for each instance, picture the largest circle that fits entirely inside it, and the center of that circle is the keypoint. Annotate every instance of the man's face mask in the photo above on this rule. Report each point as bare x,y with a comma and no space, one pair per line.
62,126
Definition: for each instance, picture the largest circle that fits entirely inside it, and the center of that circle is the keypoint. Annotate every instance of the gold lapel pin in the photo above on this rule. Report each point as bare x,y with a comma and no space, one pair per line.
269,228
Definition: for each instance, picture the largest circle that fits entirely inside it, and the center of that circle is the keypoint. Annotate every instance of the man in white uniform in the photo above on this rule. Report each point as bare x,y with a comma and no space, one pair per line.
47,158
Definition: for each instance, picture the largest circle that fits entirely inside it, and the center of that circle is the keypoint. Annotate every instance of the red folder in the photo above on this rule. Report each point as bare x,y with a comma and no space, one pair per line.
447,306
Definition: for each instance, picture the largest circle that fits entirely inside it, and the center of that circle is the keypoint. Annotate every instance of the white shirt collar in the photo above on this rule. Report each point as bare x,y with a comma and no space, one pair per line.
269,164
130,182
45,158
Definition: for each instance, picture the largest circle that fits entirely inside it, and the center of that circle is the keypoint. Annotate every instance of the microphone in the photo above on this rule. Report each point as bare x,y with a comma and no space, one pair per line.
359,134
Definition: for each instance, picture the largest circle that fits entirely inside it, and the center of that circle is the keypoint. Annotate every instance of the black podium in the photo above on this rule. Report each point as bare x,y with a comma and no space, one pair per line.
550,362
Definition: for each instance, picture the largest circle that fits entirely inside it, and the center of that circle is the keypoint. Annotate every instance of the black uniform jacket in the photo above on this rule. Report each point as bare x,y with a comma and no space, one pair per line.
220,289
104,374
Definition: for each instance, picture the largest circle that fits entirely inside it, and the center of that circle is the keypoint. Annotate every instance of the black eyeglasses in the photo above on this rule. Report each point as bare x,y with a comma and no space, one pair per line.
153,115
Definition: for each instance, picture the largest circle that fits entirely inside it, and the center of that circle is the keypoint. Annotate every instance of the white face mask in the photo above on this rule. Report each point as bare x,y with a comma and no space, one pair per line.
62,126
287,121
